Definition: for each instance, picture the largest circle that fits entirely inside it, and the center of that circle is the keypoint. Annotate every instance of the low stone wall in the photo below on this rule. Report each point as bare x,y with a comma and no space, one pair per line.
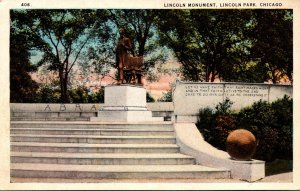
159,109
37,107
189,97
155,106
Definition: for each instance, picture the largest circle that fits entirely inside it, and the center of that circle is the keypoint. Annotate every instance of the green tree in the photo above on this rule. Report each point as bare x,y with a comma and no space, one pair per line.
149,97
97,97
22,87
206,42
272,35
166,97
82,94
235,45
66,35
79,95
48,94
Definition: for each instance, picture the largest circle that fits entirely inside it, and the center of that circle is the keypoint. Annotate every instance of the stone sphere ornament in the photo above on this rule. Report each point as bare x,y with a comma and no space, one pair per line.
241,144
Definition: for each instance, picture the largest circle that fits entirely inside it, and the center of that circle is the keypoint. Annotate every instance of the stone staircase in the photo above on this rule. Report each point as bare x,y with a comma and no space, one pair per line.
96,150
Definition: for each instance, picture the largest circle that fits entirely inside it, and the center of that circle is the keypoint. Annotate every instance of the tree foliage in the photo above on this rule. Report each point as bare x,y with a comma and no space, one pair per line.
65,34
206,42
22,87
48,94
166,97
272,35
235,45
232,45
81,94
149,97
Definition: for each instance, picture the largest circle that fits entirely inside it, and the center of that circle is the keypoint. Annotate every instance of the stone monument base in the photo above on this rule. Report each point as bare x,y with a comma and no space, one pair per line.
125,103
125,116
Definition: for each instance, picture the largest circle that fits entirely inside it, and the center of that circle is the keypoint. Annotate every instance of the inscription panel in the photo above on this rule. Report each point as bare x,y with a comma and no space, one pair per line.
190,97
251,91
203,90
244,95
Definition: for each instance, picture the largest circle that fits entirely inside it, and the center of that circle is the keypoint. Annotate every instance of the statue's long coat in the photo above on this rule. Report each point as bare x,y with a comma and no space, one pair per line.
123,46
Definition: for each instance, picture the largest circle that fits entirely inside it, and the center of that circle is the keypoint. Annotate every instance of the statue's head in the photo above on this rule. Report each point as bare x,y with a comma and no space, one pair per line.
122,31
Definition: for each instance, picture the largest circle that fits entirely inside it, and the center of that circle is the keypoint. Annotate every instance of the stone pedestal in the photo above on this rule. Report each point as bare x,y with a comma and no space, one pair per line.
125,103
192,143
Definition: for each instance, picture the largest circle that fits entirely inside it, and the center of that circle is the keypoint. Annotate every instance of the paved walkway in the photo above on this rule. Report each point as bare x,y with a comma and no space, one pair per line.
280,178
284,177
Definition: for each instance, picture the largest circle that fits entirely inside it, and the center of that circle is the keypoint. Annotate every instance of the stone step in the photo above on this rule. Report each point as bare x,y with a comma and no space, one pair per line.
91,125
28,170
117,132
93,148
93,139
50,114
50,118
102,158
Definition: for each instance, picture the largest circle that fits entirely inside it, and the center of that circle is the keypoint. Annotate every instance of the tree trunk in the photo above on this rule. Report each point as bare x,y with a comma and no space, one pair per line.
213,72
61,79
64,98
65,88
142,47
213,77
207,73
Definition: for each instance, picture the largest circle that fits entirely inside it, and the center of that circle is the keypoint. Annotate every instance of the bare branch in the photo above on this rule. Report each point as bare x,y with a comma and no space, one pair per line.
77,55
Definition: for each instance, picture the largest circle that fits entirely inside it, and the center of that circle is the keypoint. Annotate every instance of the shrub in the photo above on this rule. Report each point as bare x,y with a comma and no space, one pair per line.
206,124
82,94
48,94
271,123
166,97
260,120
215,125
97,97
283,110
79,95
260,114
223,108
224,125
149,98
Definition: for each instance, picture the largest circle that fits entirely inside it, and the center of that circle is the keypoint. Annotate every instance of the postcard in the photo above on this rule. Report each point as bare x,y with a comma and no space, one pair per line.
150,95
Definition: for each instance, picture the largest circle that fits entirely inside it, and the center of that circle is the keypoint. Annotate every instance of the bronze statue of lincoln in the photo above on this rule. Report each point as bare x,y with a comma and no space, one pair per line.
123,47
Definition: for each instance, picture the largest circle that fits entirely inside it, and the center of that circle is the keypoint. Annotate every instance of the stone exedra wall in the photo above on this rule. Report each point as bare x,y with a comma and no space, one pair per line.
189,97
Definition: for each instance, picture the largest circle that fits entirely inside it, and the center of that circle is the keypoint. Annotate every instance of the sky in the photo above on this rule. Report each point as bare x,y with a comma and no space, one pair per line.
94,81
